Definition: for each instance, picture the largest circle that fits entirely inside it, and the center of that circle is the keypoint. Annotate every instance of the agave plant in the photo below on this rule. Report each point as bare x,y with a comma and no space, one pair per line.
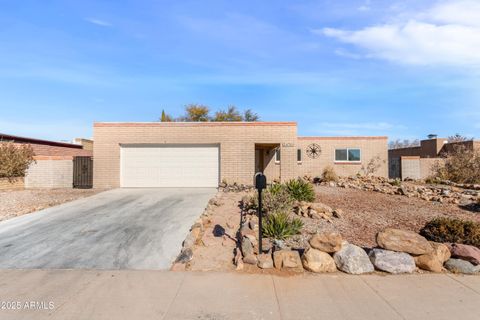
280,226
301,190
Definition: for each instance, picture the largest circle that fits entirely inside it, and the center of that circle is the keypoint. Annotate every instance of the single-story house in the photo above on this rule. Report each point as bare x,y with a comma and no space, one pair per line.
204,154
417,162
54,162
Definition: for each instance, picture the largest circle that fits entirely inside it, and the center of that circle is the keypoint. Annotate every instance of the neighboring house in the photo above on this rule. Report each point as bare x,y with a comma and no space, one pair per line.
54,162
417,162
203,154
86,143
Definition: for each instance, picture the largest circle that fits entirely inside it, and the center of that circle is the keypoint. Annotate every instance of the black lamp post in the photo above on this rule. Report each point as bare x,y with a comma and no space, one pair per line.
260,184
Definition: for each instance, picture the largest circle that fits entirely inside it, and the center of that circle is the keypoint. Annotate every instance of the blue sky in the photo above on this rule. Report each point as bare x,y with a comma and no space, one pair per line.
397,68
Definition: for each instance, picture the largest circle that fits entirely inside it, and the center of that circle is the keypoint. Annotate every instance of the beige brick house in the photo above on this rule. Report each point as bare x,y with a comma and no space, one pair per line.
203,154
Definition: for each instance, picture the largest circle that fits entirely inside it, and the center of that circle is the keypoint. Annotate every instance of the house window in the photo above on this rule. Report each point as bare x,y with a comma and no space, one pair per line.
277,156
299,155
347,155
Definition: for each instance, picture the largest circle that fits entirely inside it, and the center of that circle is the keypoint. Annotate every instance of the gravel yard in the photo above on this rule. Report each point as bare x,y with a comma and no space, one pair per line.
365,213
19,202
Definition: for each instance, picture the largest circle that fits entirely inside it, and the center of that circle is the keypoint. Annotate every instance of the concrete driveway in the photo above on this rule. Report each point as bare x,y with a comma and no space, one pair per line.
117,229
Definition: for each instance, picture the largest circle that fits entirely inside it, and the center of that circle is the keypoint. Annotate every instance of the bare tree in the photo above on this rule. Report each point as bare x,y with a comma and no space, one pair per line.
397,144
458,138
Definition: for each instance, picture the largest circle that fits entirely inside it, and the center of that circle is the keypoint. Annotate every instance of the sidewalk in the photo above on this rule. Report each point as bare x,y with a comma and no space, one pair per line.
96,294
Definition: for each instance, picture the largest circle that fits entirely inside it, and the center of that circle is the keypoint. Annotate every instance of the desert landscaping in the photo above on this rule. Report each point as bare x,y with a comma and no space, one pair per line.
354,225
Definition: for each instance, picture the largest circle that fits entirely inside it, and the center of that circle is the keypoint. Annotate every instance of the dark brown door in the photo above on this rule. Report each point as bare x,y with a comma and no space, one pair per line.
83,172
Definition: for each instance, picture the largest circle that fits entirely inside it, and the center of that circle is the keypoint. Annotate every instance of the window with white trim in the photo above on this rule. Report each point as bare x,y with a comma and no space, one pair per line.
277,155
347,155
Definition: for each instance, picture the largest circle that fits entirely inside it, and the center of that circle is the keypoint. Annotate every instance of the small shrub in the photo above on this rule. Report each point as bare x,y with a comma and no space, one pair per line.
452,230
329,174
396,183
14,159
462,165
275,198
280,226
301,190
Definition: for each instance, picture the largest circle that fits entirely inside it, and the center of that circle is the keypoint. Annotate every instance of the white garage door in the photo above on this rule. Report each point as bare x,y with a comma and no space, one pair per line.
154,166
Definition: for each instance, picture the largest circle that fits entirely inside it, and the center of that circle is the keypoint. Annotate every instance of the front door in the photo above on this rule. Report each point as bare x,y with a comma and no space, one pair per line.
259,160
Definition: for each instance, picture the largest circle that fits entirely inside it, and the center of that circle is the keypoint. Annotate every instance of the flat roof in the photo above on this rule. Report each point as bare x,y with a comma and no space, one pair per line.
345,138
186,124
9,137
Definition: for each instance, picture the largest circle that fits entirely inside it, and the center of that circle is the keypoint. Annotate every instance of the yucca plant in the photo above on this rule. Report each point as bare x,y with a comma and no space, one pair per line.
280,226
301,190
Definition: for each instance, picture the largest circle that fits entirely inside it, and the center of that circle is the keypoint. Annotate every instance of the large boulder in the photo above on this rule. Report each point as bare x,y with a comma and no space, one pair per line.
403,241
288,259
466,252
428,262
352,259
318,261
433,261
391,261
461,266
327,242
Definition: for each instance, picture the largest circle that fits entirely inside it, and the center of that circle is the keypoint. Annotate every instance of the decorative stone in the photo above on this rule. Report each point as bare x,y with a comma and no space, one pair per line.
247,247
429,262
266,246
318,261
250,259
338,213
279,245
391,261
326,242
352,259
433,261
466,252
403,241
253,224
238,260
265,261
440,251
461,266
252,238
193,236
321,208
246,231
288,259
185,256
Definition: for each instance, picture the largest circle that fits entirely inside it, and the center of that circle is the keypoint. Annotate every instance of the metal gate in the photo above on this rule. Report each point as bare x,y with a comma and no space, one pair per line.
83,172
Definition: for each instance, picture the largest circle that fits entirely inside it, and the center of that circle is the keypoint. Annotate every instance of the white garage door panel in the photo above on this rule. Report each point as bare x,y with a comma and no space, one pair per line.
169,166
